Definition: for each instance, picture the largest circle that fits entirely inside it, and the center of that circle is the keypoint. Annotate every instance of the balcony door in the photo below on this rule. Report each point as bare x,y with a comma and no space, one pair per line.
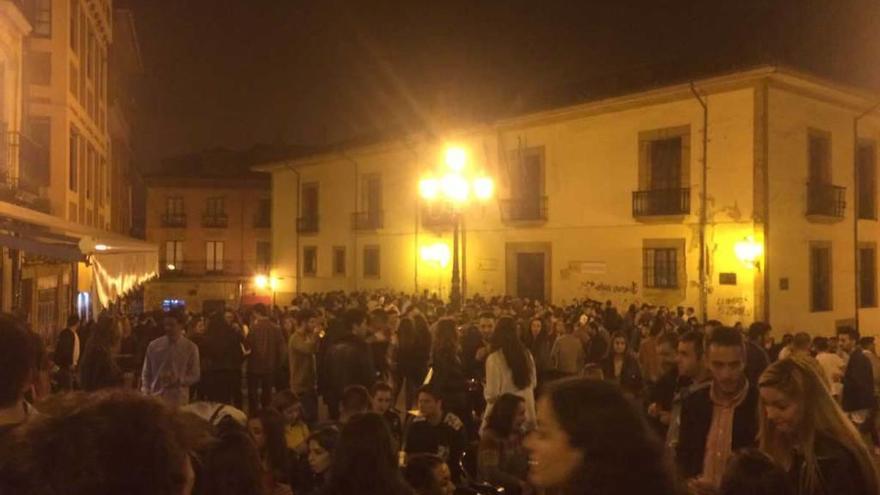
527,184
665,164
310,201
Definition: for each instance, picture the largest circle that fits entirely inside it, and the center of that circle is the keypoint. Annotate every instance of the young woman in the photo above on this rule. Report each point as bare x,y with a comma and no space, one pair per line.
365,461
592,440
510,369
98,368
540,344
267,430
428,474
622,367
313,473
501,459
805,431
448,376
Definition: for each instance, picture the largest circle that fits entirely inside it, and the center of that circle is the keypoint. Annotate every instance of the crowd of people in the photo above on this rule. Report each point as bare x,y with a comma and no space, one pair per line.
386,393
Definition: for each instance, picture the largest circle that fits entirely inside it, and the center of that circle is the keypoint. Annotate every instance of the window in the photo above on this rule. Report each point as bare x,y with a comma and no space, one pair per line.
310,200
372,199
820,276
215,207
41,15
867,276
47,304
263,218
819,156
310,261
214,256
665,164
174,255
371,261
39,68
867,167
264,256
339,261
90,163
660,268
35,166
174,205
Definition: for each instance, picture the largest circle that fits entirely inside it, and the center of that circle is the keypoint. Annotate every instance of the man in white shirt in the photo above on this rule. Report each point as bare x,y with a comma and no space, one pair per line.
831,363
171,365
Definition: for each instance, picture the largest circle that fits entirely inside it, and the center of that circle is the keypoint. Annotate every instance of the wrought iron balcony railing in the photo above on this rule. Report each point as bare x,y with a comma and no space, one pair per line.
826,199
661,202
176,220
215,220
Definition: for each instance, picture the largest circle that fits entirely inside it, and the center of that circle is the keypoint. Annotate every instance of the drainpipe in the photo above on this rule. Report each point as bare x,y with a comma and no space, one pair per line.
703,203
296,223
856,273
354,237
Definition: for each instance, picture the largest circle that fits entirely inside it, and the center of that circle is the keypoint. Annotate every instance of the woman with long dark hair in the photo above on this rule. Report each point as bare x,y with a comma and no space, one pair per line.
510,369
592,440
223,355
98,368
804,430
413,355
365,461
622,366
501,459
448,377
314,467
267,430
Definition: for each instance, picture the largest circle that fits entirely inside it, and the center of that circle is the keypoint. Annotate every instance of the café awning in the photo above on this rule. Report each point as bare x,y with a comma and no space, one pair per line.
117,263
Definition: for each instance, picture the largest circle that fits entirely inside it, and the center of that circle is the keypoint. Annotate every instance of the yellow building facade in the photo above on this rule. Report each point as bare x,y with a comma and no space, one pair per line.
605,200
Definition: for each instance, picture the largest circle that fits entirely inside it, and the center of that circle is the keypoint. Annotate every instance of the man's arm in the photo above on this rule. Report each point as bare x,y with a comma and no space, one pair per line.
147,373
193,369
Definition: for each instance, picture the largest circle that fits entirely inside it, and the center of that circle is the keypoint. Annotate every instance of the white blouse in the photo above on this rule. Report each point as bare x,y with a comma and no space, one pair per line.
499,381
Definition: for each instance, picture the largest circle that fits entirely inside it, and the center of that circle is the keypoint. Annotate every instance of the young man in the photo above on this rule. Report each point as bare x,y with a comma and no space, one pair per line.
757,359
662,392
355,400
302,348
832,365
567,354
267,345
349,361
171,365
381,397
857,398
718,419
67,353
434,431
692,376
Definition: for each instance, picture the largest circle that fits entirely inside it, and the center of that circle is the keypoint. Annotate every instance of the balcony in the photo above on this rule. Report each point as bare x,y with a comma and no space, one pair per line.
825,201
215,221
307,224
368,220
532,209
661,202
174,220
437,217
200,268
24,171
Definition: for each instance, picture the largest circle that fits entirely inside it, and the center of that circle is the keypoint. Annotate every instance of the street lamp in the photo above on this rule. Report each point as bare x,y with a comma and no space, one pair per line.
455,187
263,282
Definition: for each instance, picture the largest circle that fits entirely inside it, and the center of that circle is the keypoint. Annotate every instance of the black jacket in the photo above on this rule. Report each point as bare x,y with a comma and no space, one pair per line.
98,369
449,381
757,361
222,349
349,361
64,348
630,378
839,471
696,420
858,383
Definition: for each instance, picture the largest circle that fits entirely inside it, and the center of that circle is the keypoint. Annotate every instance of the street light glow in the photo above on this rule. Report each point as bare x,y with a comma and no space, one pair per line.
101,247
456,158
261,281
429,188
436,253
483,188
455,188
748,251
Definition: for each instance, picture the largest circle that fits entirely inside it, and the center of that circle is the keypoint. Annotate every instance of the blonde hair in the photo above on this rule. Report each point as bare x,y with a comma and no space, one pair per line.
802,380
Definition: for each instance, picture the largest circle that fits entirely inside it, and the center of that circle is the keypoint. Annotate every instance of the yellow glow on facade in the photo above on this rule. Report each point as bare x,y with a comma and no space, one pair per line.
273,283
456,158
436,253
261,281
429,188
748,251
484,187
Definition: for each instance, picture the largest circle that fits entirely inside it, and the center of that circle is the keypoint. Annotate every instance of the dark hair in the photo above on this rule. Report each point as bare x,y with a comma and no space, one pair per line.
724,337
261,309
757,330
419,472
693,337
487,314
821,344
752,472
105,335
849,331
177,315
613,436
16,362
430,390
355,398
802,340
505,339
106,442
364,460
500,419
276,446
446,340
326,437
866,341
380,387
304,314
232,465
619,335
284,399
73,319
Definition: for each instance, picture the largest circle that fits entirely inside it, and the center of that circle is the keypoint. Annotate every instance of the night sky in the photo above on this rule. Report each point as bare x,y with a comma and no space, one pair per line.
232,73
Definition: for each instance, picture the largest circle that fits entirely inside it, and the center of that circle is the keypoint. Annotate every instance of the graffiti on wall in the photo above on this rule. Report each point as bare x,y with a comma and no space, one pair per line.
733,306
606,288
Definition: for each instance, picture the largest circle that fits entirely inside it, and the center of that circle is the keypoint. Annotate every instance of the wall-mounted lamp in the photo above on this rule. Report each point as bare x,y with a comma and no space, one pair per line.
749,252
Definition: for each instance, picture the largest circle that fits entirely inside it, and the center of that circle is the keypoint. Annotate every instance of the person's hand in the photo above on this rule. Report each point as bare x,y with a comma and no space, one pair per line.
653,410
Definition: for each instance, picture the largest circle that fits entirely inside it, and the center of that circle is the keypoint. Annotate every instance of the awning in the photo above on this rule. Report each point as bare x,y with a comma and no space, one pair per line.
118,263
